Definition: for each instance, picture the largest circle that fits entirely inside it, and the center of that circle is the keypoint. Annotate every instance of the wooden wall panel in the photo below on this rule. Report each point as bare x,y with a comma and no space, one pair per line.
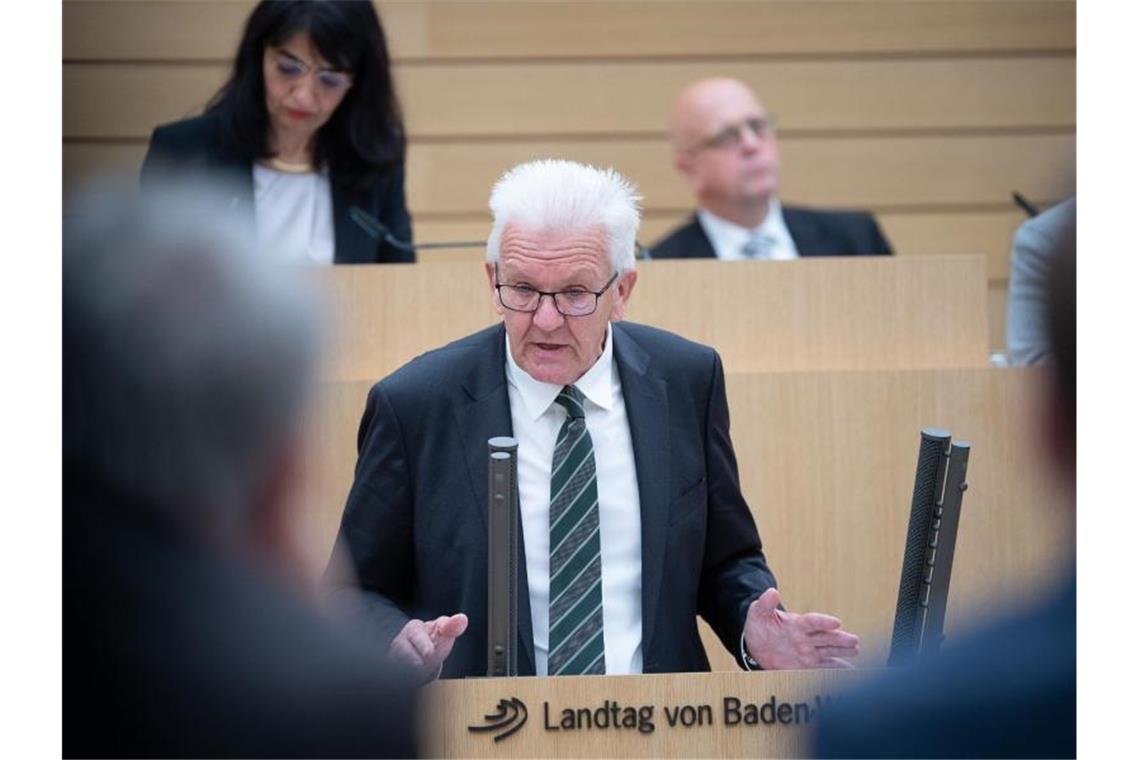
609,98
947,233
128,30
128,101
827,465
890,174
816,314
989,233
927,113
85,160
614,98
209,30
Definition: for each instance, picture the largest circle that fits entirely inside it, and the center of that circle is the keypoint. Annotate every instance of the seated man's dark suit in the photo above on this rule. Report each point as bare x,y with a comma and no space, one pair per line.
416,519
816,233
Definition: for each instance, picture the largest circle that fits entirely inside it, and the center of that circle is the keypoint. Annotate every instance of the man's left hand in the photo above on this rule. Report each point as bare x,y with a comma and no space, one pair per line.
781,640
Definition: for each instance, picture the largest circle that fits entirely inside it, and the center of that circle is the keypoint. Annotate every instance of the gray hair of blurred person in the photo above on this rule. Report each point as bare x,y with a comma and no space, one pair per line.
188,357
557,195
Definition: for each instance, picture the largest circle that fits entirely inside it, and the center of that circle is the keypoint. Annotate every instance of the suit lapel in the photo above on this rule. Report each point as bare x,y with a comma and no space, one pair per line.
804,234
647,407
697,243
483,413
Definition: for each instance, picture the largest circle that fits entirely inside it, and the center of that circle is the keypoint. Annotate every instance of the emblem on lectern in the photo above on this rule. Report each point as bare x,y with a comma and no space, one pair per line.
510,717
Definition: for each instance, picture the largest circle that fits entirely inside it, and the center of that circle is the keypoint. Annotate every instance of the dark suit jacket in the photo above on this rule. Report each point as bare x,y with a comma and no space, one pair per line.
196,145
816,233
1007,691
173,649
416,520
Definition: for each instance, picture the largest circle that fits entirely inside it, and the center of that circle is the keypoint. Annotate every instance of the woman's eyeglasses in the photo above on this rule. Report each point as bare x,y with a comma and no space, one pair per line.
293,69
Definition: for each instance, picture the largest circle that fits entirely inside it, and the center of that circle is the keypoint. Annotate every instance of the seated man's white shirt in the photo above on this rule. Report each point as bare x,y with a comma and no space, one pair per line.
728,239
537,419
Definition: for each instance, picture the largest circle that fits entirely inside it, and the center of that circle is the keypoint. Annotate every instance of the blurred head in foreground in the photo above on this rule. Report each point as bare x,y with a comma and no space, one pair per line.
187,360
1010,688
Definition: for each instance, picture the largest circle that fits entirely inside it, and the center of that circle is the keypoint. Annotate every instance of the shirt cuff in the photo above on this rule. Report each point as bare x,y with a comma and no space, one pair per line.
747,659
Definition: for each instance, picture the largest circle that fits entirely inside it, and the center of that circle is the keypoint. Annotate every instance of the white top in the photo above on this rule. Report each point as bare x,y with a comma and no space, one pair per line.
536,419
294,215
728,239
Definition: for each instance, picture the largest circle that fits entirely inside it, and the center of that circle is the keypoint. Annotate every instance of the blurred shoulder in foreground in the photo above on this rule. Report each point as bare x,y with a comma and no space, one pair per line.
1009,690
187,627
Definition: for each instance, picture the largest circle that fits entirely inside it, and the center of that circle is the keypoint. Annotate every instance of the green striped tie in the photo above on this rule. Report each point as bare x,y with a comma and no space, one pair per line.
576,643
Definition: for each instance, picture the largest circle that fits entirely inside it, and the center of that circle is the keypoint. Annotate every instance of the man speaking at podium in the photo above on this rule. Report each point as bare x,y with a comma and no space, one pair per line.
633,522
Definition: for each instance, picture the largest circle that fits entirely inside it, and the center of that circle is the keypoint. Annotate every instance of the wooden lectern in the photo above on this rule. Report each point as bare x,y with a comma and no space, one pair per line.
737,714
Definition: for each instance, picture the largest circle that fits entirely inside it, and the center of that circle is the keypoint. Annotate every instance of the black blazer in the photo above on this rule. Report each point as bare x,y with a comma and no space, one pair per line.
816,233
196,145
415,525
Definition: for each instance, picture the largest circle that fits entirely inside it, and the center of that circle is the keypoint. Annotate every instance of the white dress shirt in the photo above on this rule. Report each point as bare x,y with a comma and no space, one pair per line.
537,419
294,215
728,239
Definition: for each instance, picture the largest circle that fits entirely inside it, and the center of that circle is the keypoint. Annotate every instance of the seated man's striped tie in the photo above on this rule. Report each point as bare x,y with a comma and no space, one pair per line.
758,246
576,644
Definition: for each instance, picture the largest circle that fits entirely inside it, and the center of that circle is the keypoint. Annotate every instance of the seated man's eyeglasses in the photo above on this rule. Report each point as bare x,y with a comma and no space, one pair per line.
572,302
733,135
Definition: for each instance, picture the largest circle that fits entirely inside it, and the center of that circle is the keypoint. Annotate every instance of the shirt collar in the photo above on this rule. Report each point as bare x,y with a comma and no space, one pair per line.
728,238
596,385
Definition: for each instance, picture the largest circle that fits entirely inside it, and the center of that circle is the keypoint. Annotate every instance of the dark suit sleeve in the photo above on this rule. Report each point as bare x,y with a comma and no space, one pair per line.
735,571
878,245
376,529
393,212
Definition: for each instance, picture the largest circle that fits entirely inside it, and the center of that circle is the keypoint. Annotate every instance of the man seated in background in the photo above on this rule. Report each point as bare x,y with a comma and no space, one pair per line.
186,627
725,147
1010,689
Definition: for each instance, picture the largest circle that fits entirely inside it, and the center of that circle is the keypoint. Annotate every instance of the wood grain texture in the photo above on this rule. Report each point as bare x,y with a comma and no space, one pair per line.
194,29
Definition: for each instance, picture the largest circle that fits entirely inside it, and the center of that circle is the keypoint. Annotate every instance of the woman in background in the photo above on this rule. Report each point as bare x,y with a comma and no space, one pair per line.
309,126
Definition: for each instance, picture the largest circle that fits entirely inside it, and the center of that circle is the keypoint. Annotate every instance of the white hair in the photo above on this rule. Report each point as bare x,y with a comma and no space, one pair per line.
553,194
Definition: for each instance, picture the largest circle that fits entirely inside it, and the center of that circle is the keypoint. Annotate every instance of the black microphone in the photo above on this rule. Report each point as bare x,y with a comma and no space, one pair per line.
376,229
1025,205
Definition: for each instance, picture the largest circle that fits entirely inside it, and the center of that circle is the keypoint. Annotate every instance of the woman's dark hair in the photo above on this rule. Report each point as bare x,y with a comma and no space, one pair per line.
364,138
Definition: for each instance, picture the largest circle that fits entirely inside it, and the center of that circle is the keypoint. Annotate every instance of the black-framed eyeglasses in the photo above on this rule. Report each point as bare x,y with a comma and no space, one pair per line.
732,136
572,302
